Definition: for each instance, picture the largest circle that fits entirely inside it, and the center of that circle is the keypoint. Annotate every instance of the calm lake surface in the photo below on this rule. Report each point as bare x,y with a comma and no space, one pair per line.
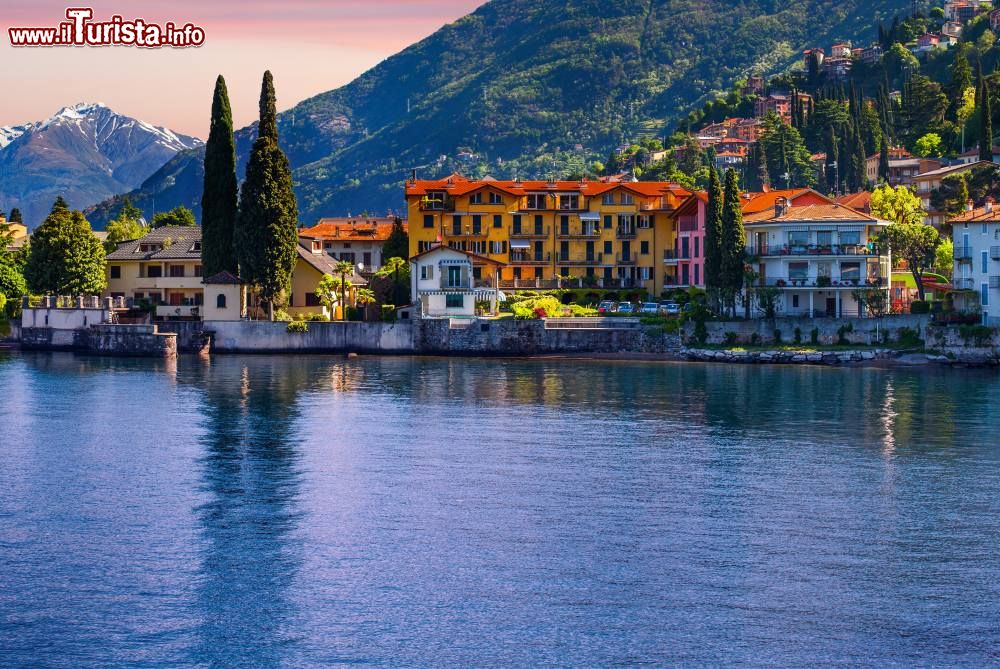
398,512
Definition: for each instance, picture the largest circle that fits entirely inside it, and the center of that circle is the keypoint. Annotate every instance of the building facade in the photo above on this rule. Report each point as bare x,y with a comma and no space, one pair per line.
607,234
444,282
928,182
817,254
357,240
976,275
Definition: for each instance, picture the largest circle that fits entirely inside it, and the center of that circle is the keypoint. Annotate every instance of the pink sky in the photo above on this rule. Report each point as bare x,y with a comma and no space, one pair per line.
310,46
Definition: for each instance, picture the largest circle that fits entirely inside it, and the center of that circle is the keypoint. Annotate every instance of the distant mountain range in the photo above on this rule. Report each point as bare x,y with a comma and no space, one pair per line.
526,87
86,153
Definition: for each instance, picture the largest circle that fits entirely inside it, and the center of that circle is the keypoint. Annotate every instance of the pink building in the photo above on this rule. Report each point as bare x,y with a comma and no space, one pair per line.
689,253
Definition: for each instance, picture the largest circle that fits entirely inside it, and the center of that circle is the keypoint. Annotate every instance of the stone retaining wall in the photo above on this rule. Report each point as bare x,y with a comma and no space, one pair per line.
788,357
130,341
856,330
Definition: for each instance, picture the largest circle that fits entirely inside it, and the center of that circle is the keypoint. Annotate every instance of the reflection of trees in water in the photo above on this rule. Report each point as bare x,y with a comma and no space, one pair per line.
250,472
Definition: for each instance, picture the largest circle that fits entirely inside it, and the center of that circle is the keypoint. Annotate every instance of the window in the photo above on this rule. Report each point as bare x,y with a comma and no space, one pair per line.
477,224
428,220
798,238
644,274
476,198
454,301
608,198
850,271
986,262
516,225
685,248
517,272
116,271
608,222
349,257
538,224
347,245
984,229
852,237
454,277
435,200
563,251
627,198
569,201
426,272
478,247
697,240
536,200
154,271
317,246
366,258
497,221
607,248
498,247
645,222
197,270
798,271
495,198
312,300
477,273
456,225
795,301
220,301
425,245
564,225
644,247
697,273
564,271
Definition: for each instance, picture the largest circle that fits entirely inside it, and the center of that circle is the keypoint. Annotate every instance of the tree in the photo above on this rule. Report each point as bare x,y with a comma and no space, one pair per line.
985,121
15,216
713,236
960,81
329,291
12,285
344,268
944,261
788,160
363,298
883,162
832,166
897,205
219,199
874,301
399,271
733,238
928,146
397,245
915,243
179,215
66,258
126,227
924,106
266,237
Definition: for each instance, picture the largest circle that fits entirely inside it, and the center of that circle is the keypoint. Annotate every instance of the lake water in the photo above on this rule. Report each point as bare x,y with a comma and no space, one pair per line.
398,512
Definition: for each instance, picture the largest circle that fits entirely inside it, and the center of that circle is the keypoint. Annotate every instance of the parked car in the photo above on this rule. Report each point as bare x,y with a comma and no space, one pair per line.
626,308
607,307
649,308
671,309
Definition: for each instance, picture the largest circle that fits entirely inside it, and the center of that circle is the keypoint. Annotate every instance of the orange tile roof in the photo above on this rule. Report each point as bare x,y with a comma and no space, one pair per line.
757,202
810,212
457,185
860,201
978,215
351,229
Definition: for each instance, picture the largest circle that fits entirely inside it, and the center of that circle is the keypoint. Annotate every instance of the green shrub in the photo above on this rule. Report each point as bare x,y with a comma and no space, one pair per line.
700,331
842,333
732,339
537,307
282,315
299,327
388,313
3,305
777,336
814,336
798,335
319,318
353,313
755,339
582,312
909,338
920,307
979,335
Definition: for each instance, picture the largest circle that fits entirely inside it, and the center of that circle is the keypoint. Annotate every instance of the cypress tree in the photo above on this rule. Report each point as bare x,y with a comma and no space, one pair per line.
985,121
883,161
220,194
833,167
713,232
860,159
15,216
733,239
266,235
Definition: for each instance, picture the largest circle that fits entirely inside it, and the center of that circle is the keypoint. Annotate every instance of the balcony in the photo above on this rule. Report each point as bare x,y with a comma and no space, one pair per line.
995,282
670,258
622,259
821,282
964,284
437,204
814,250
587,259
591,233
163,282
625,233
529,232
450,284
177,311
963,253
995,252
530,258
467,231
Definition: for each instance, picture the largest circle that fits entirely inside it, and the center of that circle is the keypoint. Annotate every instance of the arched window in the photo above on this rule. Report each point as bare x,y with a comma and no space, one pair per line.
220,301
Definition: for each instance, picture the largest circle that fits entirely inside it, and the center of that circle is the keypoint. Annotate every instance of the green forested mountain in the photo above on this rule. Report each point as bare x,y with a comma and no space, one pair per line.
532,86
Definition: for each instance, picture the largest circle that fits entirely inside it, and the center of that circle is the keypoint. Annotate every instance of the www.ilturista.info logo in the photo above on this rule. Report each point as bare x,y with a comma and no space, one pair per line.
79,30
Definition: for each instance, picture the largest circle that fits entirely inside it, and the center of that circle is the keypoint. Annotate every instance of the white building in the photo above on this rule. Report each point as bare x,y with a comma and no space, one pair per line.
447,282
817,254
976,278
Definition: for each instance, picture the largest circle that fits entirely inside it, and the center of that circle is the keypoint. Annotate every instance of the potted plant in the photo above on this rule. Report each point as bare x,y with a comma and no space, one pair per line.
780,283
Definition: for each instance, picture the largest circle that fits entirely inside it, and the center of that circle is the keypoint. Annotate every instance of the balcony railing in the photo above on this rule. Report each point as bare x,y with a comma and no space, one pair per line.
587,259
529,232
530,258
814,250
821,282
462,284
963,254
625,233
995,252
433,204
177,311
467,231
670,257
964,284
580,232
622,259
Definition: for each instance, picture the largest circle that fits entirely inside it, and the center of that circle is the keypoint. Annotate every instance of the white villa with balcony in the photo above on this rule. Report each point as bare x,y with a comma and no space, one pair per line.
976,278
818,255
447,282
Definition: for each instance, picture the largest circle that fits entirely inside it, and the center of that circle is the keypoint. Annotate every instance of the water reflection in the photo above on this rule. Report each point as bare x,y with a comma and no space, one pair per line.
250,470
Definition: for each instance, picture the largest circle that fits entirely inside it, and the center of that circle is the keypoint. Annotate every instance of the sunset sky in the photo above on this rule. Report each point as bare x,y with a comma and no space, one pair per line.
310,46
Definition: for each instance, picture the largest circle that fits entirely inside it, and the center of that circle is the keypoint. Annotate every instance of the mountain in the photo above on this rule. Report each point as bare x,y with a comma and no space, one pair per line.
84,153
534,86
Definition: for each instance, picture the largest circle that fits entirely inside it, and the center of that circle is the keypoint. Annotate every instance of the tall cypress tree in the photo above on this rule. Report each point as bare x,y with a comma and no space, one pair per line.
734,239
219,198
883,161
15,216
833,167
266,236
713,233
985,120
860,159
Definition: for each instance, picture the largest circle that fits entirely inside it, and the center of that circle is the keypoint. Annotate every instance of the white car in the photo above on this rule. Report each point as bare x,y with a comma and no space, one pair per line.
649,308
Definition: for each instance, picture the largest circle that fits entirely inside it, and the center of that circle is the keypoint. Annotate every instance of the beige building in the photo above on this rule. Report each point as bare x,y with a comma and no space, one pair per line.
315,263
17,231
225,298
164,268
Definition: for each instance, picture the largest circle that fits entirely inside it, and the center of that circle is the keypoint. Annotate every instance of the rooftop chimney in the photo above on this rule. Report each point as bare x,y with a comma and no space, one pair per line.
780,207
969,204
989,205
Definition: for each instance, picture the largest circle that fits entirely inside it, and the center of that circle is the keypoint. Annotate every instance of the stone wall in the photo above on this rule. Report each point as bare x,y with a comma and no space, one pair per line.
856,330
191,337
51,339
789,357
130,341
322,337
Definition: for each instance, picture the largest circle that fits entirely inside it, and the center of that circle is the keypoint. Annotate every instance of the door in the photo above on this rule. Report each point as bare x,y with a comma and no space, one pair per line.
538,251
831,306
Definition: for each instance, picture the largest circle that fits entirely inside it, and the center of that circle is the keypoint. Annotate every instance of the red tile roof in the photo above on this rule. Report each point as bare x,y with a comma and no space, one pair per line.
351,229
457,185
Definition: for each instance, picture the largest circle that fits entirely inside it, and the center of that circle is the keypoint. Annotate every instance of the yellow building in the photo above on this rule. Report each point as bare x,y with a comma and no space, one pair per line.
600,234
315,263
18,233
163,267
